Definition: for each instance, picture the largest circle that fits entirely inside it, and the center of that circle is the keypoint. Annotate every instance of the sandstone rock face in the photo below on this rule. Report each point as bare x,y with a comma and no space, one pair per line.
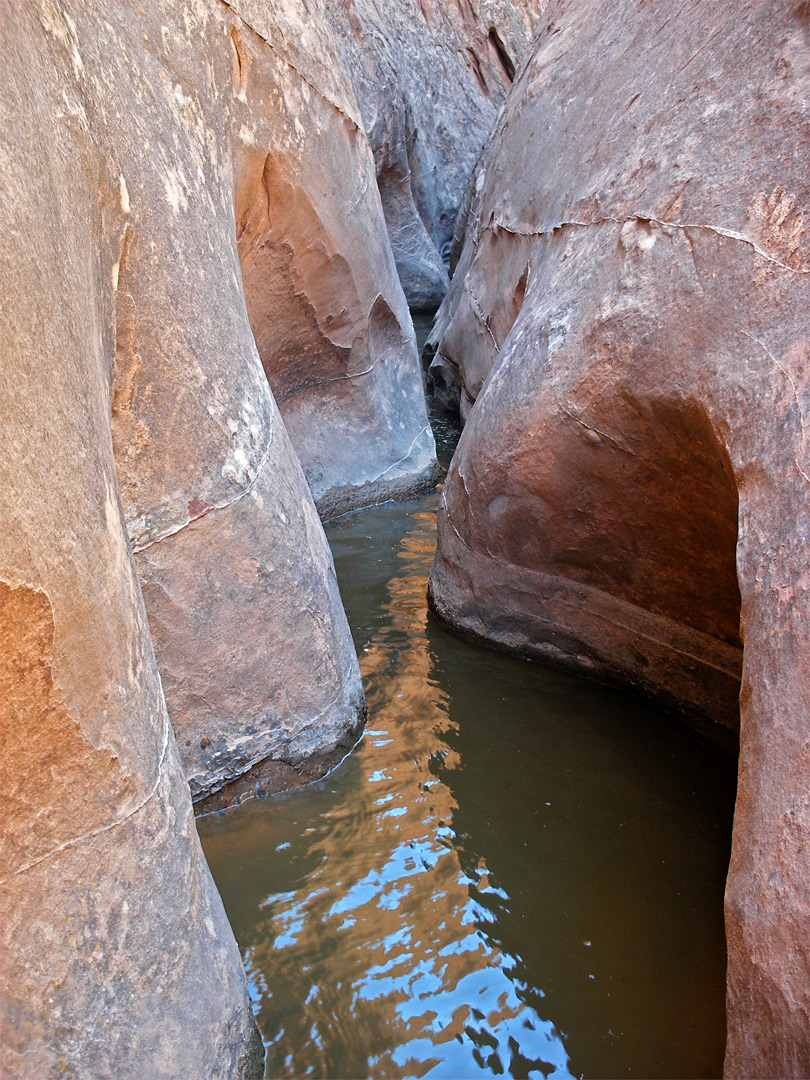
118,960
630,493
242,113
222,218
325,303
250,636
430,76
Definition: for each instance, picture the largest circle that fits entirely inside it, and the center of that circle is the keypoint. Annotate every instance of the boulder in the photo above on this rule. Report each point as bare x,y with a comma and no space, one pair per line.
627,337
118,960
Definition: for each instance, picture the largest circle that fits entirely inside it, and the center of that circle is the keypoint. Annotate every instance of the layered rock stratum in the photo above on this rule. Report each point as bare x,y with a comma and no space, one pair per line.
627,338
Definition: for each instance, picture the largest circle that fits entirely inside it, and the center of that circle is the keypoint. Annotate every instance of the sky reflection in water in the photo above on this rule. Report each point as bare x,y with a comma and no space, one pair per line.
468,894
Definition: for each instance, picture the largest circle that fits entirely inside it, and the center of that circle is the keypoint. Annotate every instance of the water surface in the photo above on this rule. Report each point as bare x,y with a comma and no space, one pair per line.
517,872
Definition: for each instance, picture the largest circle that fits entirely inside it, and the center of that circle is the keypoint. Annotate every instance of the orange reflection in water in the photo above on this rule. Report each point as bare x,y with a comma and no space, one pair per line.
369,954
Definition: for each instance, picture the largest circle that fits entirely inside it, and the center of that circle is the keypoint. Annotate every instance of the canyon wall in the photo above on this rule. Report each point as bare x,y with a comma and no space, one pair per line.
152,205
420,85
430,77
251,640
244,210
118,960
326,306
627,338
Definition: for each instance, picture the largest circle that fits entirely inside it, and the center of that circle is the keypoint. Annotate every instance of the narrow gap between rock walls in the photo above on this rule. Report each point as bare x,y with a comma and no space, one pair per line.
517,871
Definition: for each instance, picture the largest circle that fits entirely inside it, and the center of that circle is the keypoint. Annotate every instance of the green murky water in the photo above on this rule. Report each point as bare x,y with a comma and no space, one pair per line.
517,872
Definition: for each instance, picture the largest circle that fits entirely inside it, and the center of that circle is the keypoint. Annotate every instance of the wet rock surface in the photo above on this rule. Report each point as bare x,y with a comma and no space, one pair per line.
629,320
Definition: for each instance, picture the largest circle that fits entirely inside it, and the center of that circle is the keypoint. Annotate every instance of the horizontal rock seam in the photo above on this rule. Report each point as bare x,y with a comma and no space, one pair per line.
216,506
718,230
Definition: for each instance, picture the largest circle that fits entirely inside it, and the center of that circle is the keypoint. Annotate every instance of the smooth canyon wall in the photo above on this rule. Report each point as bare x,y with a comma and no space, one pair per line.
117,956
430,77
178,185
627,337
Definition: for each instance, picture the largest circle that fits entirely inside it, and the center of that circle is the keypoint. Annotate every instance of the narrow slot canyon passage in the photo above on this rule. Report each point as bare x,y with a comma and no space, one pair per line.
404,561
518,871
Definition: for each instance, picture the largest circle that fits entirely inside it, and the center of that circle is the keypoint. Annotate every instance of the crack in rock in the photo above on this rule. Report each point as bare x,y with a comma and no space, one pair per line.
304,78
480,315
405,456
718,230
174,530
103,828
596,431
793,387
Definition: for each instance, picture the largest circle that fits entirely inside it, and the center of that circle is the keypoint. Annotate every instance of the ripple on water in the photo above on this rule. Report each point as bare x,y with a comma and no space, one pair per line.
394,921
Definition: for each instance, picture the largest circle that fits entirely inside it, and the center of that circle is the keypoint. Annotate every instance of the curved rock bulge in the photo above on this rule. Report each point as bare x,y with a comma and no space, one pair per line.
315,276
628,492
249,632
104,892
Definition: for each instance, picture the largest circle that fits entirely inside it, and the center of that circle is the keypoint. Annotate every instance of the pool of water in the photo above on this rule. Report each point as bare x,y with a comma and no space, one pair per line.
517,872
